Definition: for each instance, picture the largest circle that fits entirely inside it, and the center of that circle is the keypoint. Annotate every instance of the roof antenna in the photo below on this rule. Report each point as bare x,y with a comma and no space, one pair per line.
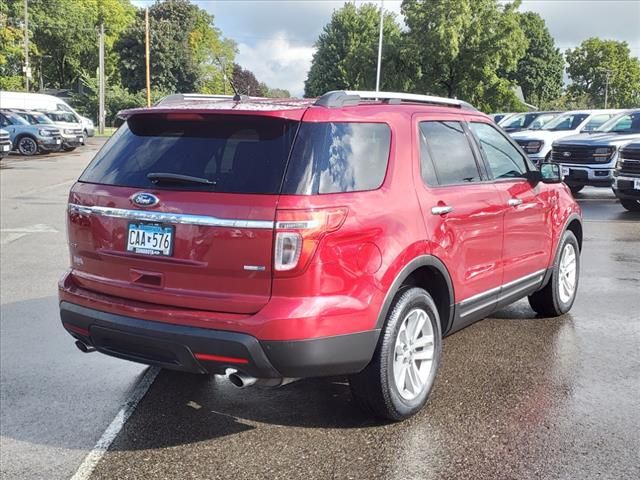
236,96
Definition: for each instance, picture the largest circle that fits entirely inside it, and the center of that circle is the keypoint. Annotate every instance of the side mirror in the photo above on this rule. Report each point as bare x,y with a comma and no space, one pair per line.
550,173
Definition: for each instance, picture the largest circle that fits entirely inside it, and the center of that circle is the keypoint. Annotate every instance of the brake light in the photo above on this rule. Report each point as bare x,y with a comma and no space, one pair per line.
298,233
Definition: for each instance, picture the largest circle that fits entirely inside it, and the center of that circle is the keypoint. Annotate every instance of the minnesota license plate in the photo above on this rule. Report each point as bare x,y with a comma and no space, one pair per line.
565,171
150,239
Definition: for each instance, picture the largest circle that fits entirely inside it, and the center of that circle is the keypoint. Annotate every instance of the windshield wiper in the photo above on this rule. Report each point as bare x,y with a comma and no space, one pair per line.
177,178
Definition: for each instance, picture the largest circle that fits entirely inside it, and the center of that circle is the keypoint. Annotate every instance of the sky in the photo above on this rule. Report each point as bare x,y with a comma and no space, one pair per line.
275,37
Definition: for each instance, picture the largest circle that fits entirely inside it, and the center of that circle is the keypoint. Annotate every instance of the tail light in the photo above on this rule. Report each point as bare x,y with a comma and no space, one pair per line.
298,233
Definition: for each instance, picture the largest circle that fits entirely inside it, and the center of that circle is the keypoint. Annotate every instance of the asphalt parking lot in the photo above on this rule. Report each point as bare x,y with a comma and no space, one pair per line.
517,396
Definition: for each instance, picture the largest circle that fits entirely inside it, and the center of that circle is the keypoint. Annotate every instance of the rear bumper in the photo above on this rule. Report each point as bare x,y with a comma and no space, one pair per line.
201,350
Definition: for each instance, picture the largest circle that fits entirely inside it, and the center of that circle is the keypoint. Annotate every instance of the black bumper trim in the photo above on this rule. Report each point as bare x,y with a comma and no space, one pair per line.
173,346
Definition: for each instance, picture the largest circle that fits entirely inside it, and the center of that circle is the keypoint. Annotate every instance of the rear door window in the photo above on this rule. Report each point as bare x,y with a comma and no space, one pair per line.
338,157
219,153
446,157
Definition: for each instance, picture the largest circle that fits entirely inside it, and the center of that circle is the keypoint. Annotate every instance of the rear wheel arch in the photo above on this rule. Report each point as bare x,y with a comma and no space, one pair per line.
430,274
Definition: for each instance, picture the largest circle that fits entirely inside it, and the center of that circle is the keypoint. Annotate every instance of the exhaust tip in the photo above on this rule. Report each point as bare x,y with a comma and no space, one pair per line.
241,380
84,348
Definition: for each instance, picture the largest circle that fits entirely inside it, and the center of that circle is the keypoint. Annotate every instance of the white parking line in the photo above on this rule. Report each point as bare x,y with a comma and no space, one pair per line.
94,456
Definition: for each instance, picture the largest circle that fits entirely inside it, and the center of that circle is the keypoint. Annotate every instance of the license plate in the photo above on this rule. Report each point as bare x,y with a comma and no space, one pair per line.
5,148
565,171
58,141
636,184
150,239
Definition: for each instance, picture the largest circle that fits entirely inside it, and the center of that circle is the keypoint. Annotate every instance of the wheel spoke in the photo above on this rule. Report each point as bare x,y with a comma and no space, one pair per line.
415,378
423,341
401,376
422,317
423,355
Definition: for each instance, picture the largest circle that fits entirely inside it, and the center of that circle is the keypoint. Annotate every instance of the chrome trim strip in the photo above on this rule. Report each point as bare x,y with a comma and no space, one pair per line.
533,276
164,217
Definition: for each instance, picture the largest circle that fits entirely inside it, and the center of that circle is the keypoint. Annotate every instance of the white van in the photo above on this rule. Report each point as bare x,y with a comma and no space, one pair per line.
40,102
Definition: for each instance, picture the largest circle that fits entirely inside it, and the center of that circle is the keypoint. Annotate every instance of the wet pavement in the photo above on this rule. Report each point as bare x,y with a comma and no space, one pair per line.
517,397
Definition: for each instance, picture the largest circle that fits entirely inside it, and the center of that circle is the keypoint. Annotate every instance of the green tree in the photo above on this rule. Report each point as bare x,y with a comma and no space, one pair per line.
187,51
347,52
465,49
246,82
62,46
593,61
540,71
12,47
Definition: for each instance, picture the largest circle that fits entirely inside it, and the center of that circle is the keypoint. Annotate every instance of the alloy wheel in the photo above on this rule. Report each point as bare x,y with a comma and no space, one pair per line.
413,354
568,273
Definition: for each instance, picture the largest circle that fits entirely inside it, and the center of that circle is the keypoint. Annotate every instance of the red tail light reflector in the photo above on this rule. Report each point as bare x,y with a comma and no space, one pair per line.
220,358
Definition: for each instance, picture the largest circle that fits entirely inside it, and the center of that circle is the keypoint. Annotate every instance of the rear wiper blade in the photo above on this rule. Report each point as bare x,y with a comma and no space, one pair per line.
177,178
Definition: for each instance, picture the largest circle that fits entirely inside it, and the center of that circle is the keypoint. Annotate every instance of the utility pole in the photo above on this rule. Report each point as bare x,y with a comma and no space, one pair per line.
380,45
101,81
606,88
146,52
27,69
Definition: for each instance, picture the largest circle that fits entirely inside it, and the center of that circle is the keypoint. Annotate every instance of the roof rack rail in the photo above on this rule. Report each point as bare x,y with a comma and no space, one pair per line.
185,97
345,98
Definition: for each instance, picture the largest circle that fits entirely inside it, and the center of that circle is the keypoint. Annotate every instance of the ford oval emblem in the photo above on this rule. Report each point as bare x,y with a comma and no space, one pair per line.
144,199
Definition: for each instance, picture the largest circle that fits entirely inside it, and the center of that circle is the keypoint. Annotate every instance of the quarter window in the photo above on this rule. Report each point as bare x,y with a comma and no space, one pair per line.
446,157
505,161
338,157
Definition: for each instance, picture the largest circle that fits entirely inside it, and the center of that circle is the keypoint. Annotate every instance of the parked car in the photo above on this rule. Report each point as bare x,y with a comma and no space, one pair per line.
626,177
527,121
41,102
590,159
71,130
198,243
537,143
5,143
498,117
29,139
37,118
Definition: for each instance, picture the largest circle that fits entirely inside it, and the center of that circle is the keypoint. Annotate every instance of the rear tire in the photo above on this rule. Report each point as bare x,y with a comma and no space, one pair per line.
397,382
630,204
27,146
576,189
558,295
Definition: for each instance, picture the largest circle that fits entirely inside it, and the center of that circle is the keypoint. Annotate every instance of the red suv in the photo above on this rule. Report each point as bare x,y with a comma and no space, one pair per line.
278,239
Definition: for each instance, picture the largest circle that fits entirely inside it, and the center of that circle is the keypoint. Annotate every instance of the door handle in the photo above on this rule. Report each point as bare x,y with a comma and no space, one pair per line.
514,202
441,210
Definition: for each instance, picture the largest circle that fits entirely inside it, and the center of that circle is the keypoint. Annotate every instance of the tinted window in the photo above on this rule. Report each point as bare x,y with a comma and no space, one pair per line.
446,156
625,123
236,154
11,118
596,121
505,161
542,120
567,121
338,157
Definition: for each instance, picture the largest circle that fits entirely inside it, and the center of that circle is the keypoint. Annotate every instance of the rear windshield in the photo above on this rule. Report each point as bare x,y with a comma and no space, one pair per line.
228,153
242,154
